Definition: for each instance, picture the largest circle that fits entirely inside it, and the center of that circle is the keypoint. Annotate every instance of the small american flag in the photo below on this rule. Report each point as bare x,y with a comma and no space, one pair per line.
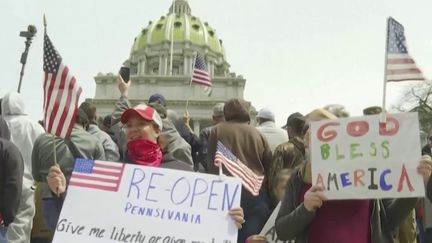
97,175
400,65
200,74
251,181
61,93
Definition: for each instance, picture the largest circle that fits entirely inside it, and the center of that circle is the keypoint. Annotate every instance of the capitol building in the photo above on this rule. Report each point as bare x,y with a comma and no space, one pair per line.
151,72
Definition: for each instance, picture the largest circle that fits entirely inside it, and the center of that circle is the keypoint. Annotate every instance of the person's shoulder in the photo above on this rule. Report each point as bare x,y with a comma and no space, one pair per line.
169,162
284,147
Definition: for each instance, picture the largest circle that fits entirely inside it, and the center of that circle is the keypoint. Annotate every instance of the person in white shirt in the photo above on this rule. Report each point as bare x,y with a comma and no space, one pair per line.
267,127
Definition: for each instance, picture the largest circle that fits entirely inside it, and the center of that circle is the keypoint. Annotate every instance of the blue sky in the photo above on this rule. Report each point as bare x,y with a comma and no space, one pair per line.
295,55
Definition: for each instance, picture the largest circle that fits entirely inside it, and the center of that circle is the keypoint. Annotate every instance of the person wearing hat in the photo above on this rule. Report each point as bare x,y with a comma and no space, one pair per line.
176,146
306,215
267,127
217,118
157,98
250,147
372,110
289,154
110,148
142,126
53,178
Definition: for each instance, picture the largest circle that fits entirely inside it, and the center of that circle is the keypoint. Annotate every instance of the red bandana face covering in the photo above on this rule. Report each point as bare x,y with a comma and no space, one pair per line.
144,152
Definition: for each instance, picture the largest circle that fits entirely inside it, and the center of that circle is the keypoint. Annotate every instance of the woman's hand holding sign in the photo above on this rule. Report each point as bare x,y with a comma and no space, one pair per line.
238,216
56,180
425,167
314,198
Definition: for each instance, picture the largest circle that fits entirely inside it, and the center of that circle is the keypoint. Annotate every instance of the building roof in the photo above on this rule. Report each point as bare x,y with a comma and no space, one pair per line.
185,26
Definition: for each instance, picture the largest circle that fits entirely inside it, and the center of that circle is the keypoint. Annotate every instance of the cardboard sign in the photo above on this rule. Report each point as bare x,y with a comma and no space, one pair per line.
269,230
359,158
113,202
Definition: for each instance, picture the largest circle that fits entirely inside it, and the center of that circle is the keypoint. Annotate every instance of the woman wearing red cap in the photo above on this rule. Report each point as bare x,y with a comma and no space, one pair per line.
142,127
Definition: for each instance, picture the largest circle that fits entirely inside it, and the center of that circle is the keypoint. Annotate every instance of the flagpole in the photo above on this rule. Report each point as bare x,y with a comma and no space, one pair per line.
383,118
190,83
53,135
172,39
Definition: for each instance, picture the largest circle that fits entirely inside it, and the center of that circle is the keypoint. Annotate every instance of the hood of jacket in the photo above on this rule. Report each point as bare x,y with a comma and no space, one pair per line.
237,110
12,104
4,129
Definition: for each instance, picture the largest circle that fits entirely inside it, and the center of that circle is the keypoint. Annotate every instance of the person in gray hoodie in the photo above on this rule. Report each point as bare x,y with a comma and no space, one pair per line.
110,148
80,144
11,175
23,134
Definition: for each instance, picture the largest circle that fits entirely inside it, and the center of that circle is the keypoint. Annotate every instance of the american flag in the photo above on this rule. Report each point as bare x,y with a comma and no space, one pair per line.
400,65
251,181
200,74
61,93
97,175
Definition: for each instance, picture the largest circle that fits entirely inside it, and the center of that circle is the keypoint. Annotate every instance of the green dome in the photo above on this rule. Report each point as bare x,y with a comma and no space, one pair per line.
187,28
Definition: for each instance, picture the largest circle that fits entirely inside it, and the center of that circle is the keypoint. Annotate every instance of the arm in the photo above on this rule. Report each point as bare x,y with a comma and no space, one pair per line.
123,103
36,163
397,210
111,149
292,219
13,182
100,152
211,151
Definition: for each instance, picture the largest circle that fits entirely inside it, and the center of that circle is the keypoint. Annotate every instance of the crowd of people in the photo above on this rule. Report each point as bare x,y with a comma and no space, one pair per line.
154,135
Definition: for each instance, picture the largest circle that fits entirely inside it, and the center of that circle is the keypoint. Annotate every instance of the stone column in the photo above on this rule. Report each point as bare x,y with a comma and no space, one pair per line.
185,65
161,66
196,126
211,69
142,67
165,60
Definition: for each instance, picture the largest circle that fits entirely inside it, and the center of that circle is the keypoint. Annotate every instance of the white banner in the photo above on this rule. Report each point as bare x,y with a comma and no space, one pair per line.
113,202
359,158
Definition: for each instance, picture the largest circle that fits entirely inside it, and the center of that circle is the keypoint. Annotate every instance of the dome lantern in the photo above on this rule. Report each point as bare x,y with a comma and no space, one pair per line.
180,7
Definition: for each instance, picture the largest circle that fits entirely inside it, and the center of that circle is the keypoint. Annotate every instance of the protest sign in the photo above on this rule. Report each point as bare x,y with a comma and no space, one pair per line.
113,202
359,158
269,230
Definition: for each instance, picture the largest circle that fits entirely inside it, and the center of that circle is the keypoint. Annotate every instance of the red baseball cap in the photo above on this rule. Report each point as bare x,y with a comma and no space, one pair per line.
145,112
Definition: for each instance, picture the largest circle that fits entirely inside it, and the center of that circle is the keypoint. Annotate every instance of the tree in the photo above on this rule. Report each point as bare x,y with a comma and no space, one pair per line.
418,98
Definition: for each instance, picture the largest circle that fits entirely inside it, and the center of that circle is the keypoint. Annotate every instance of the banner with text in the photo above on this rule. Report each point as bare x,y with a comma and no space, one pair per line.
113,202
361,157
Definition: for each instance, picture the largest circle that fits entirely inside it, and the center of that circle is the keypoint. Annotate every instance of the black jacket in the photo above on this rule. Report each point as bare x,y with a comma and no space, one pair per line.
11,174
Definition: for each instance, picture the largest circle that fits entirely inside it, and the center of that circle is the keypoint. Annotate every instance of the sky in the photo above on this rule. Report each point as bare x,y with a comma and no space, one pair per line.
295,55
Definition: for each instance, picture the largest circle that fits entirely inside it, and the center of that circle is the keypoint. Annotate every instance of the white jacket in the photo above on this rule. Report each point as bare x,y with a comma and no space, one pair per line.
273,134
23,130
23,134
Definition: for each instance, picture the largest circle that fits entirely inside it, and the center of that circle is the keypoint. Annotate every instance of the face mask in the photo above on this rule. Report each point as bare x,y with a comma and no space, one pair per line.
144,152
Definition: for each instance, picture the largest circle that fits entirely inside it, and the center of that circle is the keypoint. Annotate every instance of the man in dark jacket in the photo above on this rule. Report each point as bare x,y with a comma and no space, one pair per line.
80,144
251,148
11,175
218,117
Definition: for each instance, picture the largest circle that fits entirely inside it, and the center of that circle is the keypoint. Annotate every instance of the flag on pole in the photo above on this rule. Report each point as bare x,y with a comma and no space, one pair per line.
250,181
97,174
200,74
400,65
61,93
